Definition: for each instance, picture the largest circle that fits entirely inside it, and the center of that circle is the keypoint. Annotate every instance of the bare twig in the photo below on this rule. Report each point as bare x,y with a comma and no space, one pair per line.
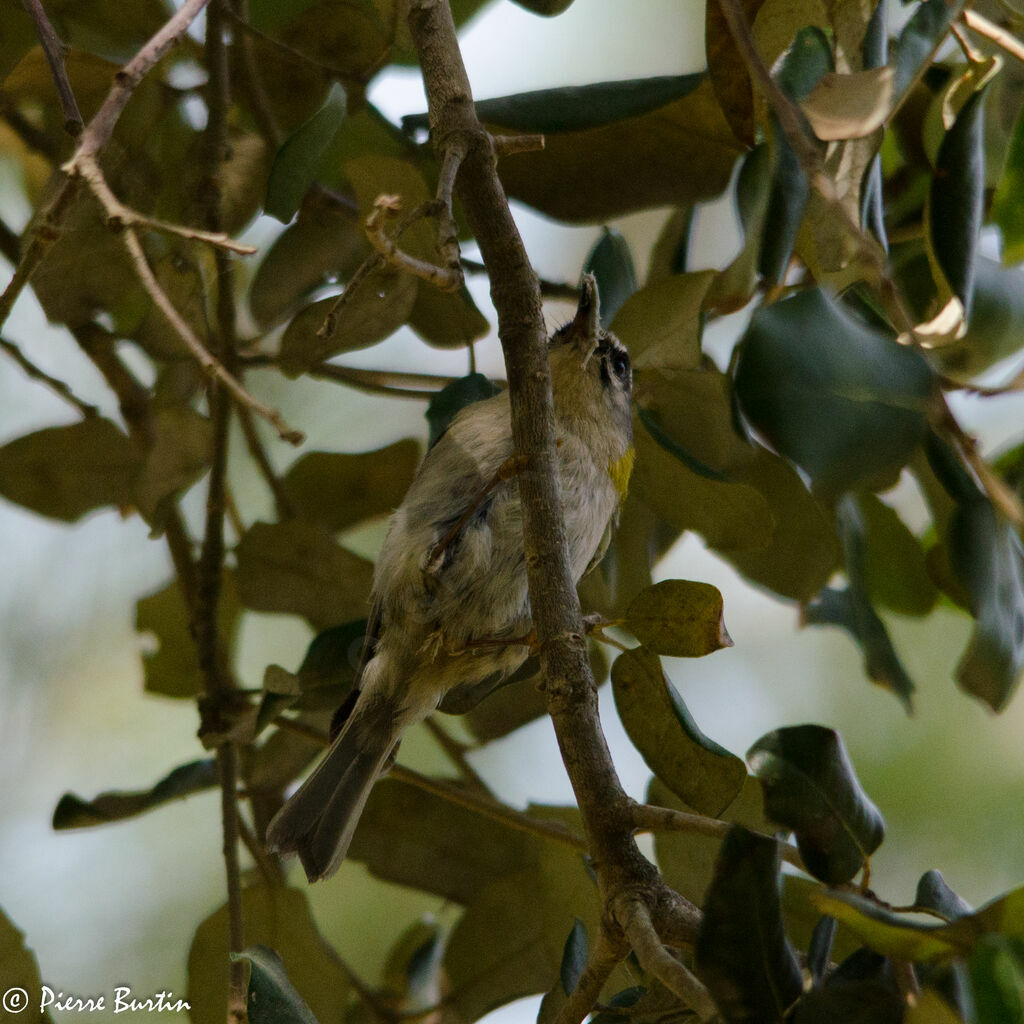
269,867
54,50
93,139
55,385
120,216
282,499
980,24
635,920
383,382
385,209
549,289
651,818
603,960
371,263
249,76
456,753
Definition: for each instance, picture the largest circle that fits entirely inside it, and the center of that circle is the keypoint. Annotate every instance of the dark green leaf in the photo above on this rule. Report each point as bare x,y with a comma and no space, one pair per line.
786,203
65,472
852,609
278,918
339,489
861,1001
295,567
574,956
271,997
680,152
693,766
921,35
21,976
180,453
74,812
454,397
742,954
808,59
332,657
411,972
611,262
679,618
819,951
934,894
810,787
172,669
298,160
548,8
956,199
1008,202
650,421
447,319
844,402
576,107
988,561
327,240
997,981
728,70
379,304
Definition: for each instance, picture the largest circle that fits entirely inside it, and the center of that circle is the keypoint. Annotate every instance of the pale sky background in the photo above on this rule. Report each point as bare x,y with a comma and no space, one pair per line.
118,905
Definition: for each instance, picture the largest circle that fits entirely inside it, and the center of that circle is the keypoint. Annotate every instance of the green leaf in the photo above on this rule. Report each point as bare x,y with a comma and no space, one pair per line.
661,323
661,728
931,1008
611,262
180,453
327,240
277,918
447,319
574,956
988,561
172,670
935,894
728,70
65,472
687,859
21,972
852,609
921,35
296,568
808,59
742,954
454,397
378,305
421,840
843,401
271,997
810,787
679,618
577,107
885,932
678,153
1008,202
339,489
997,981
956,199
74,812
548,8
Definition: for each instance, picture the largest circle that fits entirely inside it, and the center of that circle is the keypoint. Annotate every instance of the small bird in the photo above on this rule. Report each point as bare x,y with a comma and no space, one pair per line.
450,606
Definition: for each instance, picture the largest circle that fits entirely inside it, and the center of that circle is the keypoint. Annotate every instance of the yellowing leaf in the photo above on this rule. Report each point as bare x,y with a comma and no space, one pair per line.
849,106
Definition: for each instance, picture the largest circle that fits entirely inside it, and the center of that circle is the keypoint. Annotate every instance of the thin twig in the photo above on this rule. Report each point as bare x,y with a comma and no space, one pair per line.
549,289
54,50
489,808
249,76
371,263
55,385
603,960
634,919
509,145
282,499
447,229
269,867
383,382
92,141
120,216
972,53
200,352
651,818
456,753
980,24
385,209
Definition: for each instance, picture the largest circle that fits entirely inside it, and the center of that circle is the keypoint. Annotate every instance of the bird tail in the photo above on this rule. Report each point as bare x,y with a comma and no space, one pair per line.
319,820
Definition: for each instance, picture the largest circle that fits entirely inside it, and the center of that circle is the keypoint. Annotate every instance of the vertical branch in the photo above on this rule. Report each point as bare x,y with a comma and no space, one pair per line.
53,48
219,683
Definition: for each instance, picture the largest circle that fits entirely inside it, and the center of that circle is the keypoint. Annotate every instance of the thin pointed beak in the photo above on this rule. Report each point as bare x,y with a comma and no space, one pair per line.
587,322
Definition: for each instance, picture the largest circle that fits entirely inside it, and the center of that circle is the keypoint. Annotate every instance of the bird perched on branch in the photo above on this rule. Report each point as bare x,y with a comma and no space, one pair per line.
450,603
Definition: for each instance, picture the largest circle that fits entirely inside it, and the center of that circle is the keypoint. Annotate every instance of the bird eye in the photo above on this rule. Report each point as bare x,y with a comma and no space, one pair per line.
620,364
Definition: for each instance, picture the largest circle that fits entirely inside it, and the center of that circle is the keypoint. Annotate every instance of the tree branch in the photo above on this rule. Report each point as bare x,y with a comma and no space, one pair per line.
57,386
54,50
569,683
606,956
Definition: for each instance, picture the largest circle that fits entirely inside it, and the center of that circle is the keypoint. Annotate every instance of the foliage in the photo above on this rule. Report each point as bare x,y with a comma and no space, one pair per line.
863,185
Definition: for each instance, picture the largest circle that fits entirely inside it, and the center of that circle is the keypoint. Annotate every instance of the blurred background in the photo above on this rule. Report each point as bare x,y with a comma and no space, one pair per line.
118,905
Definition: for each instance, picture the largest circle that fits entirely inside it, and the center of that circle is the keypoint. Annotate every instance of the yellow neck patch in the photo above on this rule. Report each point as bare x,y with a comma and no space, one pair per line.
620,470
